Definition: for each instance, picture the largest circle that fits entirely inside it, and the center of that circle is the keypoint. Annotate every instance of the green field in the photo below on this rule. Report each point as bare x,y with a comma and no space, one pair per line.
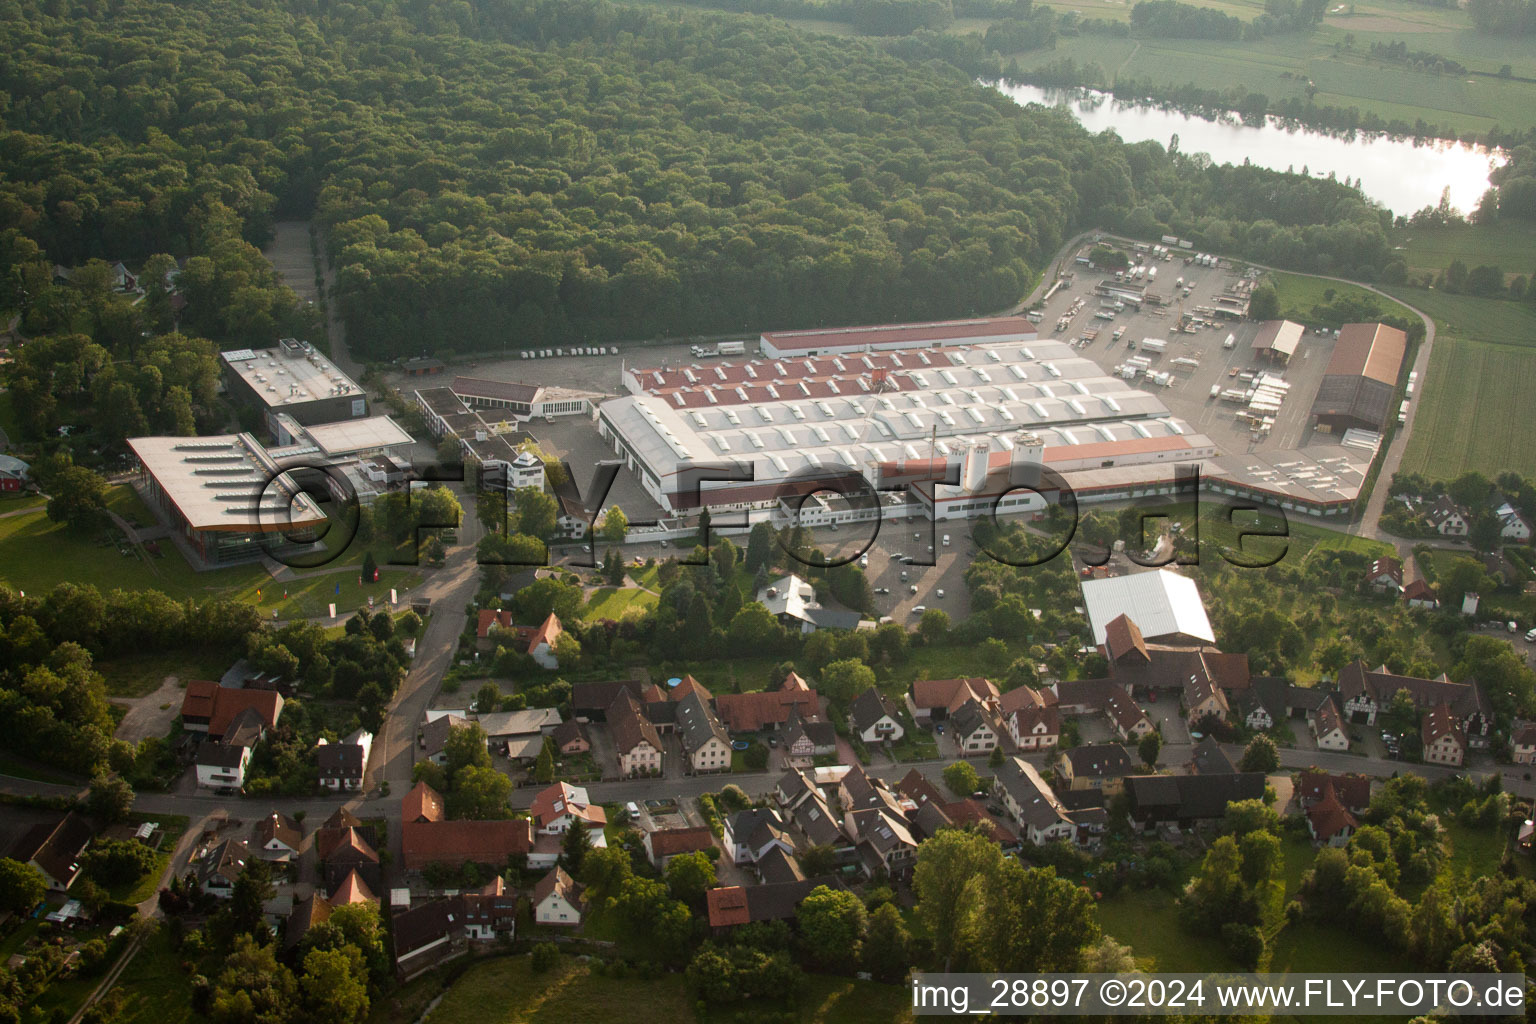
615,603
134,675
1506,244
506,991
1476,393
36,554
1298,293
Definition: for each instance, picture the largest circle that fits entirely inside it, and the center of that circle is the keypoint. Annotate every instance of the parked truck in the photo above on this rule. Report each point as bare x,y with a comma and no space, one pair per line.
733,348
1153,345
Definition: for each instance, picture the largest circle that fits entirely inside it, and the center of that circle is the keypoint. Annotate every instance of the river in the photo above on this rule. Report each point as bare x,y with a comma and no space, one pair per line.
1402,175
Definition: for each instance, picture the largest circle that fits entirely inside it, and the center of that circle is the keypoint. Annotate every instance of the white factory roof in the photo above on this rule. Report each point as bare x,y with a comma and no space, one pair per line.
1161,603
348,437
291,374
933,408
227,483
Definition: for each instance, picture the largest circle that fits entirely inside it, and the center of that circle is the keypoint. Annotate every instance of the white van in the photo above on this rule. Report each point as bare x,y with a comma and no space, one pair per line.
1231,341
946,540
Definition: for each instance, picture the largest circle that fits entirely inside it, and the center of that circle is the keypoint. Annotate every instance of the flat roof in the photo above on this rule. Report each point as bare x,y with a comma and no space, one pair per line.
293,373
992,328
348,437
227,483
960,397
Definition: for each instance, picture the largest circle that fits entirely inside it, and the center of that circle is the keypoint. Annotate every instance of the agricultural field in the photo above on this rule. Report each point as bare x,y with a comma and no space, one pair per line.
1506,244
507,991
1475,394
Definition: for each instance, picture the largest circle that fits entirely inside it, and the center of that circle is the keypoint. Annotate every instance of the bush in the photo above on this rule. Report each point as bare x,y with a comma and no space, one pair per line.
544,956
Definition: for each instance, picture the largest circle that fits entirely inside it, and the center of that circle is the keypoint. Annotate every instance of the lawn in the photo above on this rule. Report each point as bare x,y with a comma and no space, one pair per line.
134,675
1474,851
1148,922
506,991
1476,390
1298,293
1507,244
615,603
154,988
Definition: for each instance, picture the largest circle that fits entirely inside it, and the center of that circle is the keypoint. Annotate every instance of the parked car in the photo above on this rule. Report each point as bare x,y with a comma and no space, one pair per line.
941,593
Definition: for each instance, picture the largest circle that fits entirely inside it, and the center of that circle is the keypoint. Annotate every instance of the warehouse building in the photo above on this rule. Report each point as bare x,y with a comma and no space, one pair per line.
894,337
226,497
1278,340
522,401
992,414
293,379
1359,388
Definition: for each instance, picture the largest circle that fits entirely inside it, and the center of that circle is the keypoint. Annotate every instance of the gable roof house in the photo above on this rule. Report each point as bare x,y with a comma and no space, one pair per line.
1032,804
1385,575
1034,728
342,764
1522,742
541,644
751,833
1328,725
209,708
1102,766
222,765
1445,741
555,807
635,740
557,899
347,851
972,730
733,905
221,867
1208,758
55,850
705,742
1419,594
792,788
426,838
1186,800
768,709
662,844
432,737
1329,821
1448,518
572,738
1365,692
426,935
806,739
1130,722
884,843
1353,791
1512,524
874,717
276,837
933,700
590,701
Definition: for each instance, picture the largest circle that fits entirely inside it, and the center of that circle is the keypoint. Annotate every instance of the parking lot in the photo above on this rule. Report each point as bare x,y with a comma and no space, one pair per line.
1189,396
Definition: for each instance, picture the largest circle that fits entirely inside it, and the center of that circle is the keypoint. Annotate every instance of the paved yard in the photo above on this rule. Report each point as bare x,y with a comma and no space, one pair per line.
151,714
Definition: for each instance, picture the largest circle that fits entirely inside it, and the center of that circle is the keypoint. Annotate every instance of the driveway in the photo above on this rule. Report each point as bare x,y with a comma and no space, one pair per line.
151,714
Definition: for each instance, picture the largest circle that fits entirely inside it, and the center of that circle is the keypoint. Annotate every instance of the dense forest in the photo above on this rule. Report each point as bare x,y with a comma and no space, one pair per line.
539,171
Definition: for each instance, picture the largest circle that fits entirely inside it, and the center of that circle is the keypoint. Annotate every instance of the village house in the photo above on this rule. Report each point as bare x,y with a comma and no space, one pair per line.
1419,594
1522,743
276,837
1187,800
662,844
1366,692
1032,804
432,737
768,709
933,700
221,866
705,742
875,717
557,900
1328,726
1328,820
55,850
1447,517
1513,526
636,743
749,834
972,730
1445,741
1385,575
1101,766
806,739
342,764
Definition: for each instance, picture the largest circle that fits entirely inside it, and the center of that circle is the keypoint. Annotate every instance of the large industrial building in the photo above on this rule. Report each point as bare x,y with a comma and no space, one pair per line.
225,496
993,412
1359,389
894,337
293,379
1278,340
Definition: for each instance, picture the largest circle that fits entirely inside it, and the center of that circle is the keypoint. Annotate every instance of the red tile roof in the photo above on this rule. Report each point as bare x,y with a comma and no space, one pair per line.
749,712
1328,816
556,800
455,843
951,693
352,890
422,803
548,632
691,685
197,702
1122,638
221,704
1353,791
727,906
668,842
